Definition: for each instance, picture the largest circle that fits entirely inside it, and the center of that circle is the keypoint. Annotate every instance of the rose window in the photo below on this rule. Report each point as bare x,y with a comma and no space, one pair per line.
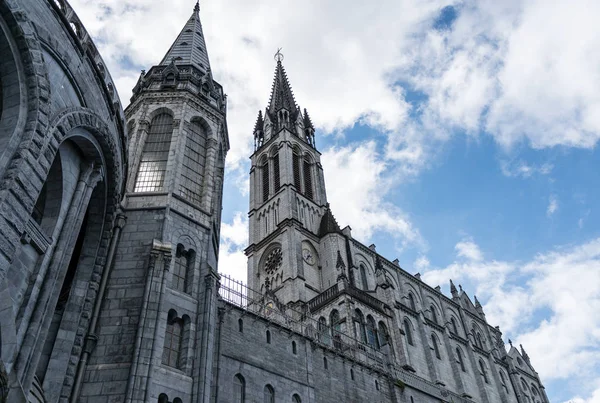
273,261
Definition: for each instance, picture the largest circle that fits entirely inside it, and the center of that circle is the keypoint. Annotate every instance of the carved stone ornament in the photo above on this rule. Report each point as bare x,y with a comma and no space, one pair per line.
273,262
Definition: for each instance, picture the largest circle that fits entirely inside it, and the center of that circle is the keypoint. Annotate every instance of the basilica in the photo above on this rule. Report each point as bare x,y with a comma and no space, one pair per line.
109,241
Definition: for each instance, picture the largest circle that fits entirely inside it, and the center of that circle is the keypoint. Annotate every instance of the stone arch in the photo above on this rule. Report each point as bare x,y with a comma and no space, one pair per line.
412,290
435,311
84,229
20,123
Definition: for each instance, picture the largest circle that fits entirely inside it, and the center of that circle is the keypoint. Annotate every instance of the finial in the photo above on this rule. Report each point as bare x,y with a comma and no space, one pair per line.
510,342
197,7
278,56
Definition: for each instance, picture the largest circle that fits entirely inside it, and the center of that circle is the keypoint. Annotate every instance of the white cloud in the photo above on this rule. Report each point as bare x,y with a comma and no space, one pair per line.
549,305
234,239
358,198
594,398
523,169
469,250
552,205
422,263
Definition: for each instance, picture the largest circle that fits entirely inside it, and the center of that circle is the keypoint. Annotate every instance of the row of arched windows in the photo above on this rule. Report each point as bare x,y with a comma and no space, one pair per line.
368,332
239,392
301,171
478,339
155,154
435,345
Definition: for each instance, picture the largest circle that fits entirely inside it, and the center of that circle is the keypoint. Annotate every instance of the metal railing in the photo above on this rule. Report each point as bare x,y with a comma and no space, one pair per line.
239,294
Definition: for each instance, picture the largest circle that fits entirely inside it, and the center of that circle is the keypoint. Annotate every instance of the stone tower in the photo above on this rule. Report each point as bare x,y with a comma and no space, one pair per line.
154,335
287,198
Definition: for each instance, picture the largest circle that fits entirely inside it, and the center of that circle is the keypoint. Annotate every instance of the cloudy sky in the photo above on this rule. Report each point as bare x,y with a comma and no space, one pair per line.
466,133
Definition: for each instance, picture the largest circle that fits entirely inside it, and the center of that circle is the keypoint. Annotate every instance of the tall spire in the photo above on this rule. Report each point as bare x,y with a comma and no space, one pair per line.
189,47
281,93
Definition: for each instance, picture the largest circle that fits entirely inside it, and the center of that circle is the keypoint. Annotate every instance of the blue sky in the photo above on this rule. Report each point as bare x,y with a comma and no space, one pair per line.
466,132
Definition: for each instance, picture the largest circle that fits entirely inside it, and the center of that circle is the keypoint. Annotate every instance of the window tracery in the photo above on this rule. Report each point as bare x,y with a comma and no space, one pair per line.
155,154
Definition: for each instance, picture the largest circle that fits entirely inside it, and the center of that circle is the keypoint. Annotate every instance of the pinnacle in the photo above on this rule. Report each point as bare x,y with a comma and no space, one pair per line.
282,96
189,46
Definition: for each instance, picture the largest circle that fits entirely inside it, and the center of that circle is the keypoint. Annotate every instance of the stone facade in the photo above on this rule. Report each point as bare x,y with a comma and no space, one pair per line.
109,244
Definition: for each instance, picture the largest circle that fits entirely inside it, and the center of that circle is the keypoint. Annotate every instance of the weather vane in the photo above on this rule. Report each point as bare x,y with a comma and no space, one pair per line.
279,56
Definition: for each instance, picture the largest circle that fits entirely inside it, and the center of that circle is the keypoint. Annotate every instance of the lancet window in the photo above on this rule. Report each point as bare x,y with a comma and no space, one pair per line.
155,154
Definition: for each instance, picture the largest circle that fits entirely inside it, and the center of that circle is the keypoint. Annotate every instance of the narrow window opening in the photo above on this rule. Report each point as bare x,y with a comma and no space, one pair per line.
351,374
268,337
460,360
376,384
277,181
434,317
296,169
269,394
296,398
308,189
239,389
363,277
325,362
240,326
454,327
408,332
294,350
483,371
436,348
411,302
265,179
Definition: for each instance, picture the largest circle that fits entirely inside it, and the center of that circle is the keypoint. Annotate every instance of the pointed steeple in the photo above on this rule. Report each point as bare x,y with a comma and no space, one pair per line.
189,47
328,223
282,96
524,354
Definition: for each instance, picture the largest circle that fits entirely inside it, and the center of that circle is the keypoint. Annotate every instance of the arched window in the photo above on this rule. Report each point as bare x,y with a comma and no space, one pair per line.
240,325
408,332
276,176
269,394
436,348
294,350
325,362
483,371
376,384
411,301
363,277
434,317
177,400
194,157
239,389
163,398
412,400
359,326
351,374
382,334
173,336
183,264
454,327
296,171
308,183
503,381
479,341
268,337
296,398
371,332
155,154
459,359
336,328
323,332
264,168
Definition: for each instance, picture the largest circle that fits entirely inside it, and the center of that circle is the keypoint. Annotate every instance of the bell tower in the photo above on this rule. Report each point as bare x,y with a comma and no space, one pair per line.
164,281
287,198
